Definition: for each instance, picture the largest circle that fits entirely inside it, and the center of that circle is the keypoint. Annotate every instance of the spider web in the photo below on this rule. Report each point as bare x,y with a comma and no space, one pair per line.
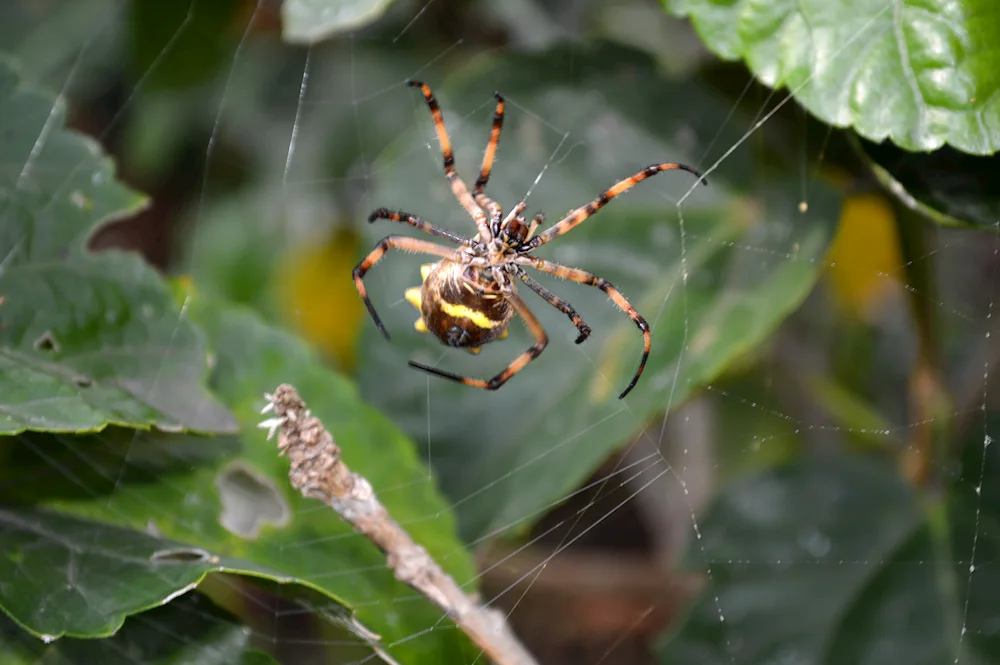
333,132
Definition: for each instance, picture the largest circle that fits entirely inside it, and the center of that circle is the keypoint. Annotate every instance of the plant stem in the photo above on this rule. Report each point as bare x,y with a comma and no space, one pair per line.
318,472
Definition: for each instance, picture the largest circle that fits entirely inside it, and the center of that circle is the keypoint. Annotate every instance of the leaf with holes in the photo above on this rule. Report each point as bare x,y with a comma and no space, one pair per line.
85,341
229,497
311,21
713,276
189,630
837,560
921,73
69,576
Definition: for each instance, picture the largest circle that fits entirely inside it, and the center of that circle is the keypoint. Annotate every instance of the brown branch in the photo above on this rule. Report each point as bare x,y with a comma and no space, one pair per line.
318,472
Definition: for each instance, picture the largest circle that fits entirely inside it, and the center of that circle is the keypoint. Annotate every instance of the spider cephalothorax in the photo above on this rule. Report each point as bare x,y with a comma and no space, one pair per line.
469,297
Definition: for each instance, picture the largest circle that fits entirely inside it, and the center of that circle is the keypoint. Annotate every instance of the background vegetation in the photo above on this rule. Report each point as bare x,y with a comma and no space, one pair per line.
804,475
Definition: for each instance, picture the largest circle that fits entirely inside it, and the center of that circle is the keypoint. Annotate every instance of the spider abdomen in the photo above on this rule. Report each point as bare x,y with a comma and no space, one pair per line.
456,311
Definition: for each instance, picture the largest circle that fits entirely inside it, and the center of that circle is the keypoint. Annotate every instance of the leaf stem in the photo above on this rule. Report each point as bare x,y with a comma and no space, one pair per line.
930,400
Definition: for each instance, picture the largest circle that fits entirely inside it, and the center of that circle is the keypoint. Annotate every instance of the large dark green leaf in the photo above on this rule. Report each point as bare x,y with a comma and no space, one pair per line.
69,576
85,341
169,45
310,21
187,631
69,45
922,73
714,276
837,560
946,186
231,497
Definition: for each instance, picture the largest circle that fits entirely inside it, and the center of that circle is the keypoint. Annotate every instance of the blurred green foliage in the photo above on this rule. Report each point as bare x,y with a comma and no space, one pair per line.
825,304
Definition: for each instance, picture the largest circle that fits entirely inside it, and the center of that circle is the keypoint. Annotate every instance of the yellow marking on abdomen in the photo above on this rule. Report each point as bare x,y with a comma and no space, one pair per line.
412,296
477,317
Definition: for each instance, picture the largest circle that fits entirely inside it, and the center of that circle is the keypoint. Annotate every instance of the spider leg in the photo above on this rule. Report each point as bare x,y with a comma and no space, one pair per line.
536,221
541,340
492,207
415,222
516,210
491,147
590,279
581,214
458,187
397,242
556,302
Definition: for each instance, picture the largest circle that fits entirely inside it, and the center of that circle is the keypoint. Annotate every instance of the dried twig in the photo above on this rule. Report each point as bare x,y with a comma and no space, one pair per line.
318,472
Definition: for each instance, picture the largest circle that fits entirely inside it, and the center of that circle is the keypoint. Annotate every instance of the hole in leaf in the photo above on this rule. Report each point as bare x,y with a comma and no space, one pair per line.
249,501
181,555
47,342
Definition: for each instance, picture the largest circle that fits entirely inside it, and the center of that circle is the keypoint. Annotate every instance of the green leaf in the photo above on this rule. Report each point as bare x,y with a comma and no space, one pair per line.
69,576
232,263
923,73
85,341
311,21
947,187
72,44
851,411
169,45
835,559
748,251
189,630
232,499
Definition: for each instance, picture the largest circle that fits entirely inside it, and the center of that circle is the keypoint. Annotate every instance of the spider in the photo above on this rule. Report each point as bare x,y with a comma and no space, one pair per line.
469,297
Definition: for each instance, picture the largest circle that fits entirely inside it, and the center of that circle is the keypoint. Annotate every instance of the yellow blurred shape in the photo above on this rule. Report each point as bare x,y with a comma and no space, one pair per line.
318,296
865,255
412,296
182,289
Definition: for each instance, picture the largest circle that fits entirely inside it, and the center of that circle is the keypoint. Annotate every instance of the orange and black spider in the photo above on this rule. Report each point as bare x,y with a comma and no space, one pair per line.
468,298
